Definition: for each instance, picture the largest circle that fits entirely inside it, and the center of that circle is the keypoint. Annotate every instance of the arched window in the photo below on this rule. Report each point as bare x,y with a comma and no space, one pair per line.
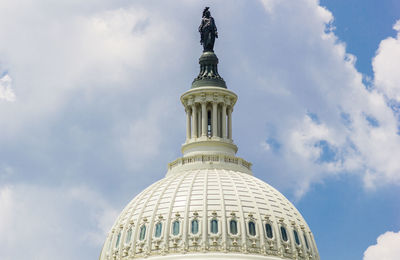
284,234
157,233
233,227
195,226
268,230
214,226
252,228
306,241
142,234
118,239
296,237
175,228
128,235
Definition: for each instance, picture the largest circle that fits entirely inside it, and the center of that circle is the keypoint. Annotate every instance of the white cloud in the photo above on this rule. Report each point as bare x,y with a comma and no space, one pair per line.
386,248
52,223
311,104
386,64
6,91
98,102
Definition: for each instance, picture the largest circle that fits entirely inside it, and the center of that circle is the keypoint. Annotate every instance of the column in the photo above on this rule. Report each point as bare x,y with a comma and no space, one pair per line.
194,121
203,119
223,121
230,123
214,119
188,123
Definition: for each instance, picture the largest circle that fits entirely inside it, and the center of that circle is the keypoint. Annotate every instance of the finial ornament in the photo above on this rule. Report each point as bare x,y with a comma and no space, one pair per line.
208,31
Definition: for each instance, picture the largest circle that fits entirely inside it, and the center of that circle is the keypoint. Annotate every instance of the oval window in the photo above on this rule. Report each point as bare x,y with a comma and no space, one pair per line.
284,234
175,228
233,227
296,237
128,235
252,228
214,226
142,234
157,233
195,226
268,230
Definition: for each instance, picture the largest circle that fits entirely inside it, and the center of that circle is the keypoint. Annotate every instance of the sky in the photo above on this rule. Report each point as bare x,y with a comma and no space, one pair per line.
90,114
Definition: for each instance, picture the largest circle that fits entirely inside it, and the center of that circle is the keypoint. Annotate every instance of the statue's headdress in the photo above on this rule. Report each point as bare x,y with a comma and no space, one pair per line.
205,11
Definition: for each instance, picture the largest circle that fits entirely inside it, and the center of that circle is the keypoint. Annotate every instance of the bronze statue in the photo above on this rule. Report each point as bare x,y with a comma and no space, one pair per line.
208,31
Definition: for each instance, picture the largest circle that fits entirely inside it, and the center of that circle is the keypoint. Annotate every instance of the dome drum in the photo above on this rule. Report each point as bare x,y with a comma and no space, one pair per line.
209,161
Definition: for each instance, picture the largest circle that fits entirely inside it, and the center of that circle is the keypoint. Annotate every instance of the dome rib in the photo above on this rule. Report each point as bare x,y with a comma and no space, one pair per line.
138,224
205,214
254,202
242,223
223,214
154,215
187,210
170,211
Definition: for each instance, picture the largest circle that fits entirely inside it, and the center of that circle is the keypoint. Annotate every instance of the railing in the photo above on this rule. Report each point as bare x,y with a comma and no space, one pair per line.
203,158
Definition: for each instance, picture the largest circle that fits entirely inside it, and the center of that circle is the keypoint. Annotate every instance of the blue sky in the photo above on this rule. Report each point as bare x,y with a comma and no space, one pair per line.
88,91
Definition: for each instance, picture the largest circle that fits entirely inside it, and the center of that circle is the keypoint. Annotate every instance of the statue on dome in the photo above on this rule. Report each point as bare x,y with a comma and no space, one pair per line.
208,31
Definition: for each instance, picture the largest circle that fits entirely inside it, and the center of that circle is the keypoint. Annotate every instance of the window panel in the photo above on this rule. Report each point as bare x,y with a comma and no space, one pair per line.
284,234
214,226
175,228
157,233
268,230
195,226
142,234
233,227
252,228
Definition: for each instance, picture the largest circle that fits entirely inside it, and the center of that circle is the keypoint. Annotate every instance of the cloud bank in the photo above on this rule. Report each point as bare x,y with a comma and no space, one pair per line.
90,111
386,248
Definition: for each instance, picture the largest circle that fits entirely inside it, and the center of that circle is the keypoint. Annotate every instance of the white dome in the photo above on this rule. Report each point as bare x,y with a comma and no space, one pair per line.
209,206
160,223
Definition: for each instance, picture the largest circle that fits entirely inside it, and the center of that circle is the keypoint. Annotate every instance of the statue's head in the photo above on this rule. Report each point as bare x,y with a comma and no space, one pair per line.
206,12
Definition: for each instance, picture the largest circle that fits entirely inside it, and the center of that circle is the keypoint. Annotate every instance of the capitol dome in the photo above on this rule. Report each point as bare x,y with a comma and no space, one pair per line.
209,206
210,211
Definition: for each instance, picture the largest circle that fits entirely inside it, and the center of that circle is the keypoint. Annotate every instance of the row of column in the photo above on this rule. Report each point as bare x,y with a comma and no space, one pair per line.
198,121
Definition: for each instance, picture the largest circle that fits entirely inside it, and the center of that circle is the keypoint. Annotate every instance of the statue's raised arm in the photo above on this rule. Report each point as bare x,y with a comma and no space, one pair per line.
208,31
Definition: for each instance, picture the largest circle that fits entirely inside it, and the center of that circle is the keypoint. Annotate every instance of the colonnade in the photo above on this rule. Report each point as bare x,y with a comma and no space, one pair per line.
208,119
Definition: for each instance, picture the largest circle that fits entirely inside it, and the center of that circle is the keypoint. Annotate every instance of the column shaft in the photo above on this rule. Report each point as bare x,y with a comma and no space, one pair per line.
223,121
230,123
188,123
194,121
214,119
203,119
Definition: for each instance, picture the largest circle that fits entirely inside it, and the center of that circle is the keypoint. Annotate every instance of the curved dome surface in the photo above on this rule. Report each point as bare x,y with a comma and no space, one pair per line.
211,214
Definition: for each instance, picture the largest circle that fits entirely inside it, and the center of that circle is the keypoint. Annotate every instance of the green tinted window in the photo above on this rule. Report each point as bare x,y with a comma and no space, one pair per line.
128,235
142,234
214,226
157,233
118,238
233,227
195,226
175,228
252,228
